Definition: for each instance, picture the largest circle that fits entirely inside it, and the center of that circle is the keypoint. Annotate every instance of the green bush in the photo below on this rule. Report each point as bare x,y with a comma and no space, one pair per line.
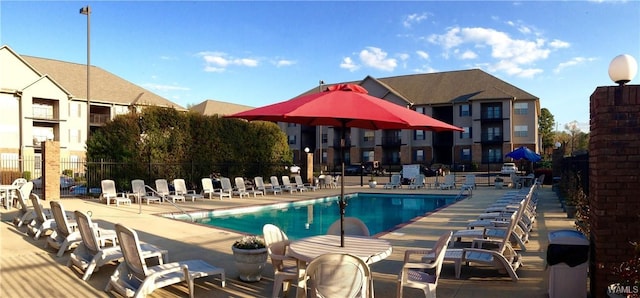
68,172
26,175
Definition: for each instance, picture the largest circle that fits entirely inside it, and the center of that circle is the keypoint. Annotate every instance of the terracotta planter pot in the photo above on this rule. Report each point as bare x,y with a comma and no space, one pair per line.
250,263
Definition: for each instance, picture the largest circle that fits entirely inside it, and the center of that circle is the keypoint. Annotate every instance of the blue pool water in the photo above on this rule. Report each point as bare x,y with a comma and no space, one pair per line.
380,212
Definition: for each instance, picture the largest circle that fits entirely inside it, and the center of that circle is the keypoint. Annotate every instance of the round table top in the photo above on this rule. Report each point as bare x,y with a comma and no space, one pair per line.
369,249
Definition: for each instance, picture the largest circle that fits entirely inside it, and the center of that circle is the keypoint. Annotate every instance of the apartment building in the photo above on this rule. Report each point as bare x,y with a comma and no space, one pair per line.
44,99
495,115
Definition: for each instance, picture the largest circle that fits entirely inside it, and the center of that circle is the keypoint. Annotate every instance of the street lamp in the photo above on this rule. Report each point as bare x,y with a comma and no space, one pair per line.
622,69
87,11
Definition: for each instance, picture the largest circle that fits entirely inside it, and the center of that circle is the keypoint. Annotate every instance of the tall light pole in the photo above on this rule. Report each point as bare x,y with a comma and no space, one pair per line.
87,11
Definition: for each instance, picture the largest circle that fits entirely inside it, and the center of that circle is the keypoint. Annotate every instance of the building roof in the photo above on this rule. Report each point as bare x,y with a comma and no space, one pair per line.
105,86
211,107
448,87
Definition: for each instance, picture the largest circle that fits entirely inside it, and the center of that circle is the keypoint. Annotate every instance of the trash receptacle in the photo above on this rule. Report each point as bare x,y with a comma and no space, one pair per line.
567,258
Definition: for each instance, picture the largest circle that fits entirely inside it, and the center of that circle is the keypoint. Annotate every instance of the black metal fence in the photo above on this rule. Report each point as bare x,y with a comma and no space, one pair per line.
578,164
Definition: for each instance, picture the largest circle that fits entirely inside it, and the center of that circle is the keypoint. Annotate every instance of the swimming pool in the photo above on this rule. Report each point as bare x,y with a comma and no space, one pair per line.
380,212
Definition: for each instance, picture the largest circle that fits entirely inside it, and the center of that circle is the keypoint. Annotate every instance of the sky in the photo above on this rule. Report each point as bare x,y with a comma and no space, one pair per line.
261,52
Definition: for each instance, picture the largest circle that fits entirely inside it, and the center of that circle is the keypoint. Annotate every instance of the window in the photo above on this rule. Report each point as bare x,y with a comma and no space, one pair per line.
418,155
493,134
521,131
367,156
466,134
292,140
465,110
521,108
291,125
418,135
369,135
465,154
420,110
495,155
41,134
74,109
74,136
42,111
324,138
494,112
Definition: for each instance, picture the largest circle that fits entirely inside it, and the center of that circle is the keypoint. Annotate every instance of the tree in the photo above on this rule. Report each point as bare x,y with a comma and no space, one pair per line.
546,123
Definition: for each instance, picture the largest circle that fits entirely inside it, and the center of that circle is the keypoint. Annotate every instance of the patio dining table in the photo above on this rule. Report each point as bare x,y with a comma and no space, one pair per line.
371,250
5,193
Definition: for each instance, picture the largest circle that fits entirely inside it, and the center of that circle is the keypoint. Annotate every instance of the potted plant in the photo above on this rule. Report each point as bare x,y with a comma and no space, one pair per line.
250,255
498,182
372,180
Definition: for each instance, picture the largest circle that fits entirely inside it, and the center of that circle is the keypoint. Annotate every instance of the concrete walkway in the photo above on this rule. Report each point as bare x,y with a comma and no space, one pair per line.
27,269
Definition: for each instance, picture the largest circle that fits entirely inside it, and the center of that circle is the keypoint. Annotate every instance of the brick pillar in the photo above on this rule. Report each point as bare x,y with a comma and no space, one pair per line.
614,180
51,170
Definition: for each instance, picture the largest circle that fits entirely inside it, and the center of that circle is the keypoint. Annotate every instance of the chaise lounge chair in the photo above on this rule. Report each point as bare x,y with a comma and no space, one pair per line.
162,188
394,183
209,191
417,183
181,189
109,193
43,221
449,182
287,185
26,214
133,278
139,192
275,185
241,188
259,183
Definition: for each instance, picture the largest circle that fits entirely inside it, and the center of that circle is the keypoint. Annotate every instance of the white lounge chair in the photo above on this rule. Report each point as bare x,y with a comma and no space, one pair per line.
162,188
394,183
63,237
338,275
352,226
287,185
26,214
259,184
139,192
90,255
225,183
469,182
109,193
43,220
181,189
275,185
284,267
417,182
414,275
133,278
209,191
299,184
241,188
449,182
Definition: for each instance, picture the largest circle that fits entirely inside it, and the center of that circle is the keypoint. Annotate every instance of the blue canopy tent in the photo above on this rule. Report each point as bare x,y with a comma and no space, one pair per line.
526,154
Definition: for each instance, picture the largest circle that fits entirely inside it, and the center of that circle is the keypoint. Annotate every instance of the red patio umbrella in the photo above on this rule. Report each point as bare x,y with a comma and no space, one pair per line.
345,105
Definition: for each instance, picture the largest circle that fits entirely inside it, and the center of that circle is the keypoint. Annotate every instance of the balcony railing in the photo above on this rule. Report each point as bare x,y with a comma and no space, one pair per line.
99,119
391,141
491,138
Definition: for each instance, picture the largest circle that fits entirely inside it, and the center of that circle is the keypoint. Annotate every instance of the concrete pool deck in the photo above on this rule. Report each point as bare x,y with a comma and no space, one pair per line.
27,269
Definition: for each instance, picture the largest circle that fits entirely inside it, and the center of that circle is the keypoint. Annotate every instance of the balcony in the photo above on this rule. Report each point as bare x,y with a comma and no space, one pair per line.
491,138
391,141
99,119
336,143
491,117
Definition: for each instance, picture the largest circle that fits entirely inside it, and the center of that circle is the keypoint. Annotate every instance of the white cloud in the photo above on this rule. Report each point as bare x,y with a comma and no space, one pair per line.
422,54
284,62
468,54
403,56
219,61
348,64
376,58
559,44
573,62
164,88
516,57
414,19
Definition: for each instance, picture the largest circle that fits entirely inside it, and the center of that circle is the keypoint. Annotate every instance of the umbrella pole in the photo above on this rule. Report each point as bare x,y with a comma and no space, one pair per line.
342,202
